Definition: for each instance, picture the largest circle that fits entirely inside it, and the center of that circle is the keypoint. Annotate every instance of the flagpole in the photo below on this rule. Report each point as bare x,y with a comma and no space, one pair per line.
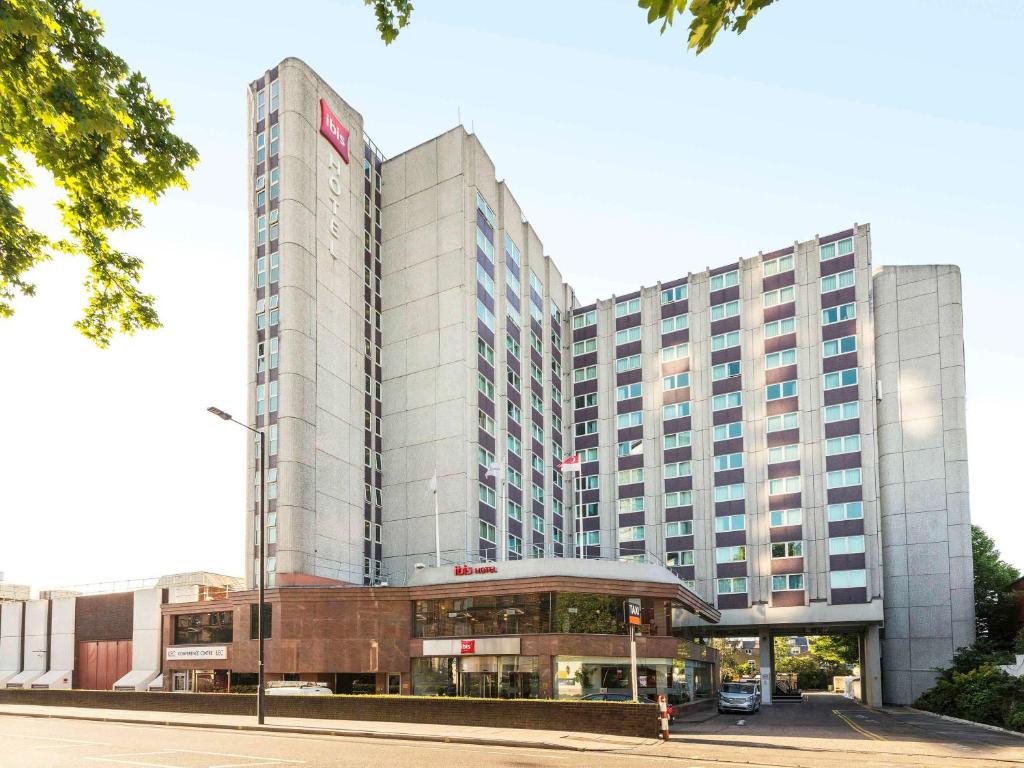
437,526
579,510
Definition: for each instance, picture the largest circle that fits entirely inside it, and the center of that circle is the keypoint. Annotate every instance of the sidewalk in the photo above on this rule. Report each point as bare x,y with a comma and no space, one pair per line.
455,734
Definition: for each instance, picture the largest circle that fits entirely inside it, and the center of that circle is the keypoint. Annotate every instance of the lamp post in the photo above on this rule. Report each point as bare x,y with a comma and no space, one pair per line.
260,703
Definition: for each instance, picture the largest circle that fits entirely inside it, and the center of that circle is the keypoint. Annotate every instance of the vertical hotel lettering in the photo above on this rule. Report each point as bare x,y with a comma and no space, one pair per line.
337,135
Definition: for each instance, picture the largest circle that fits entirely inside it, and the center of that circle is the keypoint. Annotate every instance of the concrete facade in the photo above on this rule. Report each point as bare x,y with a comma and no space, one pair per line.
922,441
785,433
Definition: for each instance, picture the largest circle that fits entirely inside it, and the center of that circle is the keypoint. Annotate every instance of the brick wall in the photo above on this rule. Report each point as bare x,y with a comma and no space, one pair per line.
587,716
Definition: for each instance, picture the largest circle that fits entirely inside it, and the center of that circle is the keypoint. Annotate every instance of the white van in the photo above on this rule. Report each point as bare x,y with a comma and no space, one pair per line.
297,688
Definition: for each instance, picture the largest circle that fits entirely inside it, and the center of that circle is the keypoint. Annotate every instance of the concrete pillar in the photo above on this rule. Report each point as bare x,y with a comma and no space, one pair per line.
871,667
767,683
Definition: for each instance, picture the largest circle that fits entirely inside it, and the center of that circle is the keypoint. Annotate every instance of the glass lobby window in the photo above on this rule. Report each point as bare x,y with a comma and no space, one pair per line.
195,628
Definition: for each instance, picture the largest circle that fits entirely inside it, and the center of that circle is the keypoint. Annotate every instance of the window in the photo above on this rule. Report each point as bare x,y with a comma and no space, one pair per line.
515,414
485,245
485,351
631,533
484,457
515,545
627,363
556,535
628,391
678,469
780,327
728,431
590,510
537,493
782,549
512,310
782,453
536,373
485,315
676,381
726,280
835,282
275,135
734,492
831,250
515,445
677,440
675,410
486,494
679,528
728,461
780,296
627,476
515,511
846,545
512,346
274,100
536,284
730,523
487,532
537,523
678,499
261,230
584,319
780,485
783,422
728,400
591,538
583,347
511,252
678,352
630,448
536,344
486,422
485,209
486,388
515,477
778,266
834,347
838,379
843,478
261,191
732,586
537,433
629,307
788,582
725,341
626,335
724,310
779,359
261,147
725,371
731,554
679,293
625,420
275,183
781,390
273,396
512,281
838,314
852,510
587,454
536,402
261,104
675,323
588,400
631,504
842,412
584,374
847,579
677,559
484,279
585,428
779,517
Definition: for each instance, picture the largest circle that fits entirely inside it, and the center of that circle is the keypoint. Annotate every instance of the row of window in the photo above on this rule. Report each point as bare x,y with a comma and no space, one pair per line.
793,581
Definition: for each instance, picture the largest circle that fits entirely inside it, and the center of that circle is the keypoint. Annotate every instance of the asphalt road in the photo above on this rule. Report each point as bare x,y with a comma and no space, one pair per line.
825,731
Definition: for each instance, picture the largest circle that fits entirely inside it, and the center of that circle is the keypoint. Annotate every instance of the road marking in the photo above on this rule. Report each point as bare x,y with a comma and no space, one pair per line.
858,728
114,759
251,760
263,758
54,738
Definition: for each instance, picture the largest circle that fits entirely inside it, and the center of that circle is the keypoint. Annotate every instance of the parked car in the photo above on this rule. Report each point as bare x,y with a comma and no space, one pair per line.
298,688
738,697
647,698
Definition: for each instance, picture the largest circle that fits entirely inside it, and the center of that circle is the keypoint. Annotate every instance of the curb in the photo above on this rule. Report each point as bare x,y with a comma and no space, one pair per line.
326,732
986,726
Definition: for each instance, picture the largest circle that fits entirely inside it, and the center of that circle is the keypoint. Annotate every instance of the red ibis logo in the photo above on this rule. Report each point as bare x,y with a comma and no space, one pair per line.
336,133
467,646
469,570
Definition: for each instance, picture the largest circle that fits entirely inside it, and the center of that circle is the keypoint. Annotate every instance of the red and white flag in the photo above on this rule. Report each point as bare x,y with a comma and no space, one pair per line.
570,464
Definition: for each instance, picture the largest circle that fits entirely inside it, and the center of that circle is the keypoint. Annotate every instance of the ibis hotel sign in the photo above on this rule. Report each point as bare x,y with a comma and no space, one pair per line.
469,570
196,652
336,133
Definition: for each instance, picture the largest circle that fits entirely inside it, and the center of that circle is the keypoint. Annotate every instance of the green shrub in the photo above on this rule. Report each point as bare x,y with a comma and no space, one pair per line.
985,695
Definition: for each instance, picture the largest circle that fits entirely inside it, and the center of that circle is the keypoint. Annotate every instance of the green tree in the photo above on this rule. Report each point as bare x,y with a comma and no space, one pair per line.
81,114
837,650
709,17
995,607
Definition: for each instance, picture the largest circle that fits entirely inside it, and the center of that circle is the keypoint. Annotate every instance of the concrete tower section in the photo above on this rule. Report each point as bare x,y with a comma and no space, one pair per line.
922,445
314,327
472,364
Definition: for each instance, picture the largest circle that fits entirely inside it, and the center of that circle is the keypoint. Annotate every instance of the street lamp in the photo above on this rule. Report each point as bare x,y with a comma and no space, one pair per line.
260,703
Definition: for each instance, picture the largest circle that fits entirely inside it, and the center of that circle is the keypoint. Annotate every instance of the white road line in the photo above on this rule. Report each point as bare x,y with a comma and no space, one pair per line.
262,758
136,763
54,738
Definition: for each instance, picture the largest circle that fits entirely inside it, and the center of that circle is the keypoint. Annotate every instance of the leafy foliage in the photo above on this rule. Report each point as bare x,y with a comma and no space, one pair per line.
985,695
709,17
837,650
79,111
995,607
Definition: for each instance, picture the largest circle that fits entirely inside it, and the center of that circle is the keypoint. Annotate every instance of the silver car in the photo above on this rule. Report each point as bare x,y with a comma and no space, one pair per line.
738,697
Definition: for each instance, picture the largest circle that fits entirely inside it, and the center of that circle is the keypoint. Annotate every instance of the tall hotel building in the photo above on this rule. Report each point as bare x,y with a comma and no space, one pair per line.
785,432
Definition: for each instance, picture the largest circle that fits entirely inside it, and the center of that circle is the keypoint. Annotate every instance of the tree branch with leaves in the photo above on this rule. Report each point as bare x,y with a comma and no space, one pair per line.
82,114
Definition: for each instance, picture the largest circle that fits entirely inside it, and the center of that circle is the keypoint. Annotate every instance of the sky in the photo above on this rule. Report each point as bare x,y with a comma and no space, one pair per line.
634,160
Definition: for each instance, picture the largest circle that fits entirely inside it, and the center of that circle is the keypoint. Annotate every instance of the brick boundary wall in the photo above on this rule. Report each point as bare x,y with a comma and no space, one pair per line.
620,719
